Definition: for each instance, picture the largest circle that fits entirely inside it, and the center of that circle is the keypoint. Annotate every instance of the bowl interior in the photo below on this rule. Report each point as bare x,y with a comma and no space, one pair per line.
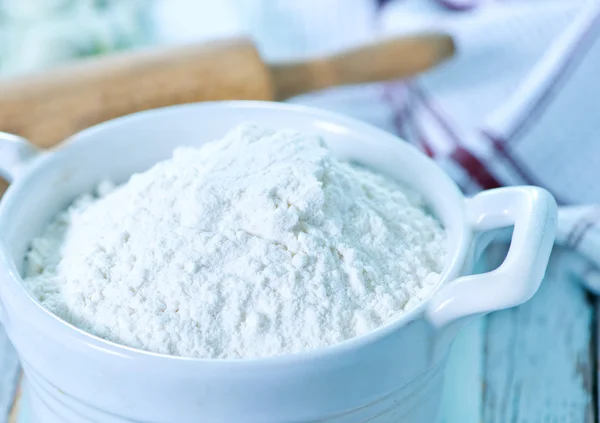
116,149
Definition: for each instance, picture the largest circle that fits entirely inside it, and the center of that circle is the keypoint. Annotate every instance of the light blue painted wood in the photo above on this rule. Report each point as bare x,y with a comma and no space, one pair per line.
538,361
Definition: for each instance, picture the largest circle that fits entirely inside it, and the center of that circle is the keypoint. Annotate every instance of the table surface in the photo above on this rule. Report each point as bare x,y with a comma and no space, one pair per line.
534,363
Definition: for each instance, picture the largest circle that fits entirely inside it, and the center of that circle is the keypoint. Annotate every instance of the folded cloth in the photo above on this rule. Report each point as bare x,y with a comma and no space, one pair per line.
517,105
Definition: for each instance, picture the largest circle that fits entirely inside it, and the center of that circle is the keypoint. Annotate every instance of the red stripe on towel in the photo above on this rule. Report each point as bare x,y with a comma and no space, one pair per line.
500,146
395,96
476,169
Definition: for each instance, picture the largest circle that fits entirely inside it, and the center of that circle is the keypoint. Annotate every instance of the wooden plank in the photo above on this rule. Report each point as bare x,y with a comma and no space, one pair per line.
539,363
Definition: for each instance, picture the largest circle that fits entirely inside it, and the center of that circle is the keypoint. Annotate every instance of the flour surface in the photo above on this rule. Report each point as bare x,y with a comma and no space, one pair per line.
258,244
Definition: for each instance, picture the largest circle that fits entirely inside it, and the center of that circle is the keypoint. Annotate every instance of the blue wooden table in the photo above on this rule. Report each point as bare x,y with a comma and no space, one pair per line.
534,363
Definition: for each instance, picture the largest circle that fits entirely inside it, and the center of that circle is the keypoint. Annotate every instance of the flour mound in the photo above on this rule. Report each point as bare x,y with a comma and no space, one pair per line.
258,244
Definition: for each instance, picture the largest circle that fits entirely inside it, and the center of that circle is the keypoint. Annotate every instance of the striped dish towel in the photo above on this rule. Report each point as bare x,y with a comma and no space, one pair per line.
519,104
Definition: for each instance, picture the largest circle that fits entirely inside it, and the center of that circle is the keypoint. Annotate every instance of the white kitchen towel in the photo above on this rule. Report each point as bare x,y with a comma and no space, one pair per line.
519,104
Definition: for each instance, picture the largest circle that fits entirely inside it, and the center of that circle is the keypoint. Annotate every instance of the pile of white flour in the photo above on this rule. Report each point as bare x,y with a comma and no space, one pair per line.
257,244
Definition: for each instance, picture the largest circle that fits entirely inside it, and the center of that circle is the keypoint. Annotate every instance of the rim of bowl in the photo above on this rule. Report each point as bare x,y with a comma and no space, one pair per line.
8,266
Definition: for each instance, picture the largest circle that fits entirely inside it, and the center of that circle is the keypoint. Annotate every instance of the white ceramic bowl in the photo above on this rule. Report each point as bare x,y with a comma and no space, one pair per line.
392,374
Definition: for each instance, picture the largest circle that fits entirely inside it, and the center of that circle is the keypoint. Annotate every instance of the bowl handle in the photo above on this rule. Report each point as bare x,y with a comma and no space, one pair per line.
533,213
15,154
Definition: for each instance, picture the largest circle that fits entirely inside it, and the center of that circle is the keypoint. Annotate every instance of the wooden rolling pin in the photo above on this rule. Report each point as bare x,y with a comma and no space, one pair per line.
49,106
